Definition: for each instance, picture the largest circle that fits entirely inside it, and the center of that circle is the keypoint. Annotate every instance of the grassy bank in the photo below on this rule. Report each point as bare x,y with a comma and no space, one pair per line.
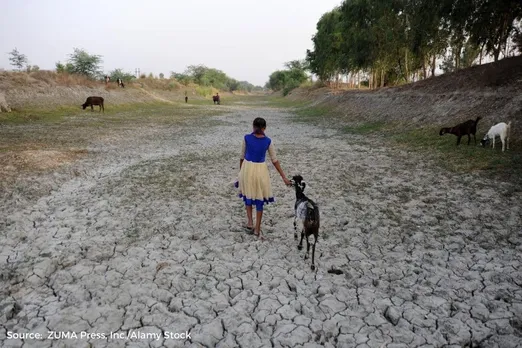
425,140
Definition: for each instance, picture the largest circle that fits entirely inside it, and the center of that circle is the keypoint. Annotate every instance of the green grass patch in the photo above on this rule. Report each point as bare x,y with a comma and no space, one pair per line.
427,141
113,114
75,128
462,158
366,128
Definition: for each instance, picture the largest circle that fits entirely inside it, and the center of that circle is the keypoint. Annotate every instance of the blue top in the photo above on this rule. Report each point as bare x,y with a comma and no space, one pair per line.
256,148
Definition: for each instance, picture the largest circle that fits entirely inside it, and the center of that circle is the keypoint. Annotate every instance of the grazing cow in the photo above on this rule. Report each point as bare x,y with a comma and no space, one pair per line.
120,83
91,101
215,99
107,79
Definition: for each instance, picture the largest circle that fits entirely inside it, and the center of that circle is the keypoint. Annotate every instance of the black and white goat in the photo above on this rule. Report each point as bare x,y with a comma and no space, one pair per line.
308,212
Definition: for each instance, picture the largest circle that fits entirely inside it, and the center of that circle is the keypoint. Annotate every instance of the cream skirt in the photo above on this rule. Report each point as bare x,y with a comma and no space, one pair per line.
254,184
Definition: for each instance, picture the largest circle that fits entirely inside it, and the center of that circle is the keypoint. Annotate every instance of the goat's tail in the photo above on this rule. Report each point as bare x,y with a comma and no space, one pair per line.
478,119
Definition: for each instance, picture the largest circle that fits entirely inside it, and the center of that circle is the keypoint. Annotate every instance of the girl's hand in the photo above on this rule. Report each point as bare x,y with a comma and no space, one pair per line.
287,182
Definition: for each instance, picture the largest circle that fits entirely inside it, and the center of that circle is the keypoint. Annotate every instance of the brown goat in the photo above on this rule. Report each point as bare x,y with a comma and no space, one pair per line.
464,128
91,101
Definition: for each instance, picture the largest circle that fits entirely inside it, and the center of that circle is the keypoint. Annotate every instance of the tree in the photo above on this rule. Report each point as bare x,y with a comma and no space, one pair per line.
184,79
17,59
493,23
32,68
84,63
120,74
286,80
196,72
161,76
325,60
67,68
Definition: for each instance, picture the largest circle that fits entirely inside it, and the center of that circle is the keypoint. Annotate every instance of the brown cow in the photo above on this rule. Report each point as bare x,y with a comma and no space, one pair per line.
91,101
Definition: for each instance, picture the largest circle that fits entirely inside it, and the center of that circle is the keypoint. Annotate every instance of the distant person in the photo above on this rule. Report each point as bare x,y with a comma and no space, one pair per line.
186,99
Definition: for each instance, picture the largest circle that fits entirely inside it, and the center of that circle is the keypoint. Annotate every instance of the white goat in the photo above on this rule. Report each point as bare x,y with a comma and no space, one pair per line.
500,129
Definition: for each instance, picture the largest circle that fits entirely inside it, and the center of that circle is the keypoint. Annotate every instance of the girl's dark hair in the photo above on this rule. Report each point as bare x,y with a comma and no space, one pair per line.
259,124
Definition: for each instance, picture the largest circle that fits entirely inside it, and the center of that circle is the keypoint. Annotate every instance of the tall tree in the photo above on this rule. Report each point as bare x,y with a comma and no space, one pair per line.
324,61
493,23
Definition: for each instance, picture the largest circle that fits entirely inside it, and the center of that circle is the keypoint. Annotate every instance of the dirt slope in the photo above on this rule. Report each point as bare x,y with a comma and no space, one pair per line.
492,91
46,89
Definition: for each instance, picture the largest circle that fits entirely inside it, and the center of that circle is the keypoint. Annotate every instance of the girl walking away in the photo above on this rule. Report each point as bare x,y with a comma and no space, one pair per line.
254,179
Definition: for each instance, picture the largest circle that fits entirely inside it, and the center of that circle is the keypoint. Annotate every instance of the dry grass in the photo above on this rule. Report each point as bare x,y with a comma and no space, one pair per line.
42,140
43,78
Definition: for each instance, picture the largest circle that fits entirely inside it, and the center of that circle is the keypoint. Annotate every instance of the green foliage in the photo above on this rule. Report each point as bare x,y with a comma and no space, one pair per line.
325,61
209,77
289,79
17,59
120,74
83,63
181,78
390,40
32,68
64,68
492,23
204,91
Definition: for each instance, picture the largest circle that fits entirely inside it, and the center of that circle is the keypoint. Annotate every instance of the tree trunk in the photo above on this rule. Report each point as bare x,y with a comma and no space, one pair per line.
457,58
406,67
433,66
358,80
382,78
424,68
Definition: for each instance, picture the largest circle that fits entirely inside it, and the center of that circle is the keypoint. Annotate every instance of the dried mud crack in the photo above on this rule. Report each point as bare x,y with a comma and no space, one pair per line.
148,237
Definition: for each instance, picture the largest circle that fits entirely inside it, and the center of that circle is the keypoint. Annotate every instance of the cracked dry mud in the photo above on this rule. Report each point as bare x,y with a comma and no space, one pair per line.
148,238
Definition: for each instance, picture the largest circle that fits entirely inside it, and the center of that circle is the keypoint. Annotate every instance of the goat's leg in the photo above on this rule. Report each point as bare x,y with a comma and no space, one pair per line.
475,138
493,142
469,138
295,226
458,140
307,248
300,246
503,143
92,108
313,253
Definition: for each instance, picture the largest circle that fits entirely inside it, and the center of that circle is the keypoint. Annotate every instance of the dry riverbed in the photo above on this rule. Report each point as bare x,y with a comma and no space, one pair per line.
141,236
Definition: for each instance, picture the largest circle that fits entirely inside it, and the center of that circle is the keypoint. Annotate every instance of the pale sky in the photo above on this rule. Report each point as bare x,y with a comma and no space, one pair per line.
246,39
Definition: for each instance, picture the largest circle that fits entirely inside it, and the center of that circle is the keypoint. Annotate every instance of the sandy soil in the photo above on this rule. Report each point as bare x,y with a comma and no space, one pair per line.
147,238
